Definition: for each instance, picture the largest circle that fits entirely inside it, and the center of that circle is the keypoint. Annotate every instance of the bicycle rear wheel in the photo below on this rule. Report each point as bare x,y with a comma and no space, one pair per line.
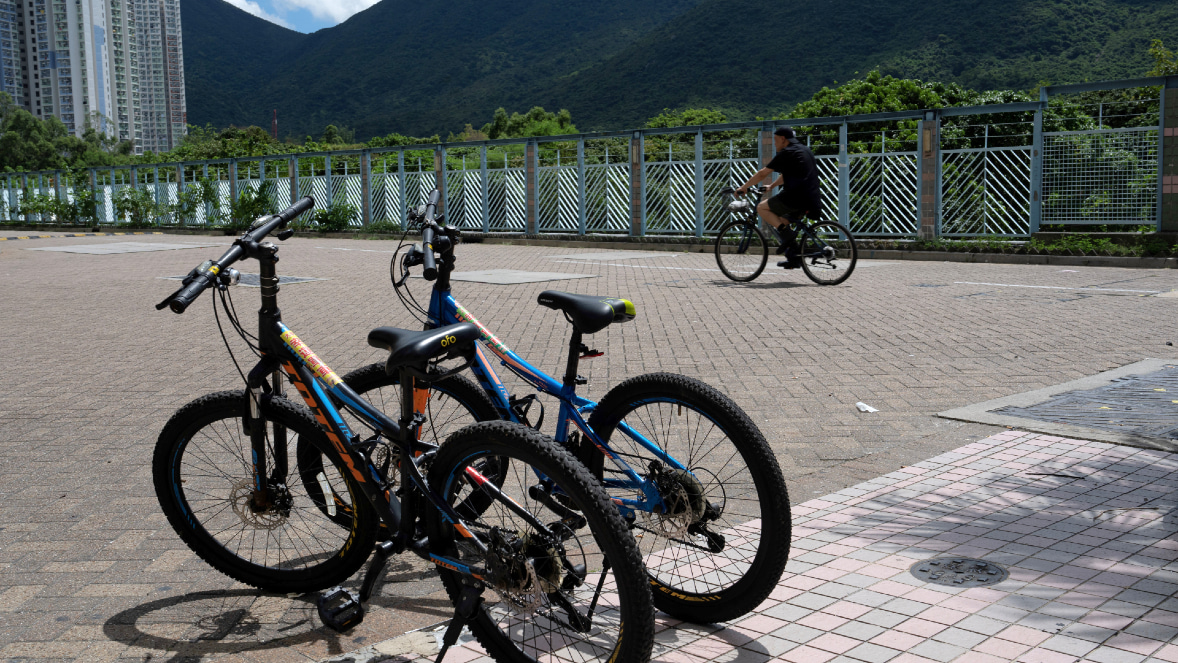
741,251
828,252
720,544
581,596
203,474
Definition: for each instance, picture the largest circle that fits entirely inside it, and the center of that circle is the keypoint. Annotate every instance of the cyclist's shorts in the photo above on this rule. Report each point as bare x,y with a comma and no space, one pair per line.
788,209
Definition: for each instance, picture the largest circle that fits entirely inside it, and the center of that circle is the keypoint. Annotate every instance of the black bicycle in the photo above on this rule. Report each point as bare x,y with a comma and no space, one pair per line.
826,248
287,498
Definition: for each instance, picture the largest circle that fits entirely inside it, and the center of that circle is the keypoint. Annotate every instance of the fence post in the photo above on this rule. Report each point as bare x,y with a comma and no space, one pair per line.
637,185
928,147
844,173
365,186
699,182
232,184
292,173
1037,164
530,185
440,175
403,213
24,187
582,221
156,178
327,192
1168,158
485,197
94,195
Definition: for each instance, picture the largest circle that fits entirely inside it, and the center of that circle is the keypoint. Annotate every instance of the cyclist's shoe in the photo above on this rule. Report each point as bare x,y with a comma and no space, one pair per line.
792,263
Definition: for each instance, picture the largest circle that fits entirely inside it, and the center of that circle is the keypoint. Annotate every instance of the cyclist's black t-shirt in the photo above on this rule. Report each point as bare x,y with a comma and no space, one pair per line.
799,173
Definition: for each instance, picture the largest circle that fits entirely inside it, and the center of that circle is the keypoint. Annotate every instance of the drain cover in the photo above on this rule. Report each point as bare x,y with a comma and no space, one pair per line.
959,572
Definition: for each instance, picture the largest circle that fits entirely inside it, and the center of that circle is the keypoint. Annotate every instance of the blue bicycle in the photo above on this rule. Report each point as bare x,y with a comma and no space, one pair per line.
687,468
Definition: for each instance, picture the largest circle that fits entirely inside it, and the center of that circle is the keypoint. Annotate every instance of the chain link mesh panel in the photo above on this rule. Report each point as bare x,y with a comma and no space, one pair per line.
1100,177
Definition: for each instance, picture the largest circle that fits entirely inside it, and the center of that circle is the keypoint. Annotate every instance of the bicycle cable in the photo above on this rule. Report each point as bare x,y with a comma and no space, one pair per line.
225,339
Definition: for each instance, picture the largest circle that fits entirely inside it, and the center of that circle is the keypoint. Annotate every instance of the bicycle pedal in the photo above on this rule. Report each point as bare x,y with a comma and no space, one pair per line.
340,609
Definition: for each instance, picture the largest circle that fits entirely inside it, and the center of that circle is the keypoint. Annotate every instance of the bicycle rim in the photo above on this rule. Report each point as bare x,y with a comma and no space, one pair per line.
741,251
828,253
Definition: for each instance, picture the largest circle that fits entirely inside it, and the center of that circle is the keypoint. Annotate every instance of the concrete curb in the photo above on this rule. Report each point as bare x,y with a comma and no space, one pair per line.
981,412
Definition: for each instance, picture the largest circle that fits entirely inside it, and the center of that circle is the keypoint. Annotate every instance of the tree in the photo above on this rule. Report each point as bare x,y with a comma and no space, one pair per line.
1165,61
689,117
536,122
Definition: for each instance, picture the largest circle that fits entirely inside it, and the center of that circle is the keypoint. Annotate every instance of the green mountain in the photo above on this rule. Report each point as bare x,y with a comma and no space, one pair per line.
418,68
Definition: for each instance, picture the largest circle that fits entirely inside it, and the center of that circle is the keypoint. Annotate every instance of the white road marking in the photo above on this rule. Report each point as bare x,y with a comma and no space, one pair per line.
1055,287
615,264
336,248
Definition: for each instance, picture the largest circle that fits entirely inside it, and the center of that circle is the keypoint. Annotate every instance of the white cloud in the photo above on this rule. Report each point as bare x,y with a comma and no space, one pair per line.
254,8
336,11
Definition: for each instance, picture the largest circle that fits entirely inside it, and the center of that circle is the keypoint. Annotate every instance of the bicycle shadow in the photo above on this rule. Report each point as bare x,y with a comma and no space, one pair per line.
197,625
763,285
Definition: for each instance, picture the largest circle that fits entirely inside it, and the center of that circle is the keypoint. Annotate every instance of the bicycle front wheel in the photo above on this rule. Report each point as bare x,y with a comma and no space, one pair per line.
204,480
741,251
828,252
718,547
577,593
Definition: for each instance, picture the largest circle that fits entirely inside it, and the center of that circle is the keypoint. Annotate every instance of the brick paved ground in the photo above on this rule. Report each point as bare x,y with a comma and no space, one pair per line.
90,568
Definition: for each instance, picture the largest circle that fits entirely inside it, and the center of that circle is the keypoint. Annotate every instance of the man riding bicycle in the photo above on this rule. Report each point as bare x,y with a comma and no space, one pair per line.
800,195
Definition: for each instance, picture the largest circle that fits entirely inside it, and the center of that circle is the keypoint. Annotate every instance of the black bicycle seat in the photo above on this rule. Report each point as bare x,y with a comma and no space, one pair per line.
406,346
589,313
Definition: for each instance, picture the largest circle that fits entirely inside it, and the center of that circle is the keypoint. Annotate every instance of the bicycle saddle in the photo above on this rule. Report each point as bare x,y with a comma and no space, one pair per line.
588,313
406,346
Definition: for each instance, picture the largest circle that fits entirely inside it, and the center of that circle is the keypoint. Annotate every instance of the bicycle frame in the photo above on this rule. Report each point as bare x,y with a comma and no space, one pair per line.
320,388
444,310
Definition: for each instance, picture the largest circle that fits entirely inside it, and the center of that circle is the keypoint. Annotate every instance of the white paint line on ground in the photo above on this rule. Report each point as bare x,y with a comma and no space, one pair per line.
336,248
1056,287
616,264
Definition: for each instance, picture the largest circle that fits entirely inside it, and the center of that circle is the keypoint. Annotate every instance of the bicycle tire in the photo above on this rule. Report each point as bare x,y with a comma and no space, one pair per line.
747,261
739,477
824,260
202,471
623,625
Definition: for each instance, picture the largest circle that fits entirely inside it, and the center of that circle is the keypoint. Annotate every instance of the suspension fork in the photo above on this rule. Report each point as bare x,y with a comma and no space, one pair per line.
256,394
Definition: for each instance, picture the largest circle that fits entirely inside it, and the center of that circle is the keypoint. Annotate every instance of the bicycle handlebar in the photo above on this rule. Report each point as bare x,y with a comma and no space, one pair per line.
200,280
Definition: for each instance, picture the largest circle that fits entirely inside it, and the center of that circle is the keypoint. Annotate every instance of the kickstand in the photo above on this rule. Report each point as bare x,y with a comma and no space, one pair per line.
384,550
468,603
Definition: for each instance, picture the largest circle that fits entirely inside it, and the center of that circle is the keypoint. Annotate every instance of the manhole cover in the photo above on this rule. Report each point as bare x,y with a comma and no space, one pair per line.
959,572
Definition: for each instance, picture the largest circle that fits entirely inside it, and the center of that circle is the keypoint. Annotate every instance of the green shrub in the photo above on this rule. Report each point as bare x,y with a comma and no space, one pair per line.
339,216
137,208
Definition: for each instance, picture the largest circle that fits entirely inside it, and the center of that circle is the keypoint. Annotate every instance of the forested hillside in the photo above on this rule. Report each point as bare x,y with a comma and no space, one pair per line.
420,68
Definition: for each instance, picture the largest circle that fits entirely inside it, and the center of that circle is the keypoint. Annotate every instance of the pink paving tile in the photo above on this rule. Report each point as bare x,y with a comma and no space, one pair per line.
822,621
1022,635
806,654
762,624
675,656
929,596
891,588
832,642
818,504
1106,620
983,594
1133,643
782,593
1046,656
1132,570
840,517
1162,617
710,648
898,562
897,640
979,657
1002,648
1167,653
1060,582
877,571
911,658
943,615
825,573
921,627
462,655
846,564
802,582
836,549
963,604
1073,571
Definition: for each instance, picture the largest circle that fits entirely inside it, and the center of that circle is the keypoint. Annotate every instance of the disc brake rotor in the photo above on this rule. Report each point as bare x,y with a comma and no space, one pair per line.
683,501
271,518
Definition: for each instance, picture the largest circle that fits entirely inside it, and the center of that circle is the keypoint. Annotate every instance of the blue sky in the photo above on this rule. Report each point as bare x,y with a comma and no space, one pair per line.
303,15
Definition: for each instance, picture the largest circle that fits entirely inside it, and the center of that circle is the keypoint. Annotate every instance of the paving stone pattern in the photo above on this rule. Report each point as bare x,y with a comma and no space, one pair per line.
1093,565
90,569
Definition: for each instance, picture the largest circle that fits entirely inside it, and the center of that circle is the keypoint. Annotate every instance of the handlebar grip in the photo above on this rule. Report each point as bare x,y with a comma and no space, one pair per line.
431,207
300,206
430,267
188,294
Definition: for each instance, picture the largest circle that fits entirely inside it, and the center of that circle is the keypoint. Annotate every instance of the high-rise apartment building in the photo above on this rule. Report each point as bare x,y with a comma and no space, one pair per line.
115,65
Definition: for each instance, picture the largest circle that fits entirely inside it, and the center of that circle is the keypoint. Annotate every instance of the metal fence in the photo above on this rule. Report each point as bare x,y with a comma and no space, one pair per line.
996,170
